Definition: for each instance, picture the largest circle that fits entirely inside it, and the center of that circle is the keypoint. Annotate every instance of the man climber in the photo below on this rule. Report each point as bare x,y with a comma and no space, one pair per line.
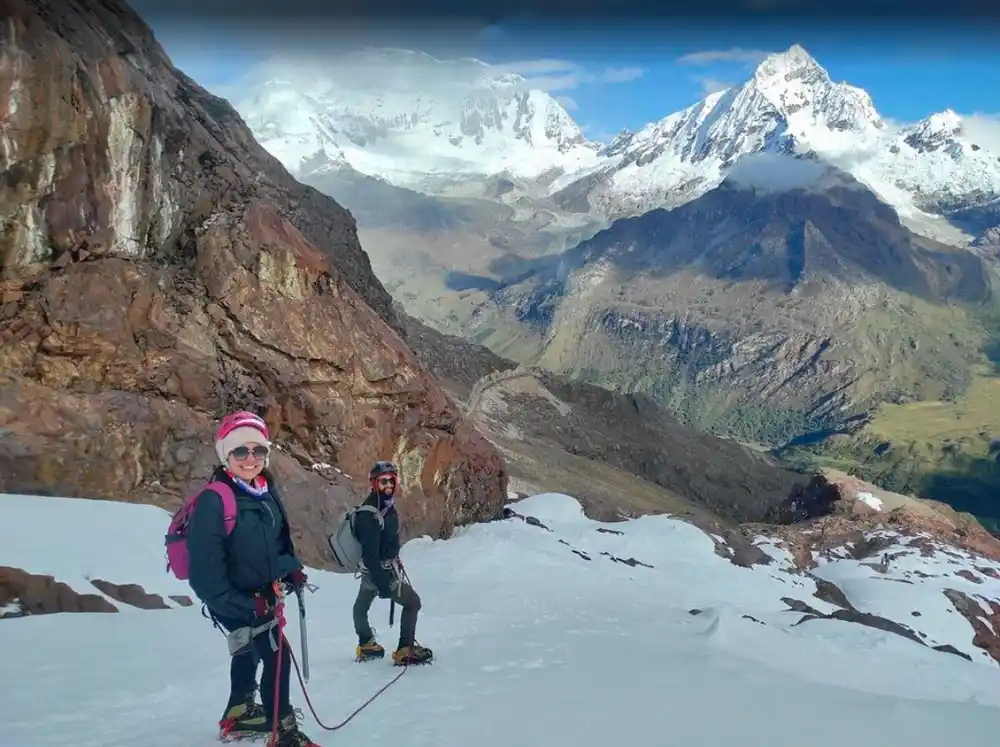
382,572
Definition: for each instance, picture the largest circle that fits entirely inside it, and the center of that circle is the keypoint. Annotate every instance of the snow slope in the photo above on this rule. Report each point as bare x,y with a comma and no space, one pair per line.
908,584
406,116
76,540
535,645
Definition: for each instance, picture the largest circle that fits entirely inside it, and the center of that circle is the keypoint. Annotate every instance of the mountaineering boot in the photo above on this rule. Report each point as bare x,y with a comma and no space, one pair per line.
243,720
289,734
406,656
368,651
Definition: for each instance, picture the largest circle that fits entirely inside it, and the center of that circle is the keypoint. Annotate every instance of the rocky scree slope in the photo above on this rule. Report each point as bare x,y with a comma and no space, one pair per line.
160,268
764,310
431,251
619,454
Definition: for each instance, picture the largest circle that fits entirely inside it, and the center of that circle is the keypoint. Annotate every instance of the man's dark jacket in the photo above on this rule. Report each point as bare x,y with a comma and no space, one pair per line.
226,571
378,545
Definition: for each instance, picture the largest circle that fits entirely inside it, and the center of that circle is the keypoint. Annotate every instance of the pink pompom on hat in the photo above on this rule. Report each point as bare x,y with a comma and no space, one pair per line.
238,429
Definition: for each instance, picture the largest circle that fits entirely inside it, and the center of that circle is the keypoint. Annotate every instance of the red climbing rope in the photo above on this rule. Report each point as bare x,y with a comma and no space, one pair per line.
279,613
356,711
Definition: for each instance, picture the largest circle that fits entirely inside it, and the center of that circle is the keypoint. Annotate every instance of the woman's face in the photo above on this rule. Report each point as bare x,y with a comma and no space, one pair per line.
247,461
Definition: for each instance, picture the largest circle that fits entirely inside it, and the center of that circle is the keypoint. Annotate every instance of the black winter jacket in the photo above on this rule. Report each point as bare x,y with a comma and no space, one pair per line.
226,571
376,545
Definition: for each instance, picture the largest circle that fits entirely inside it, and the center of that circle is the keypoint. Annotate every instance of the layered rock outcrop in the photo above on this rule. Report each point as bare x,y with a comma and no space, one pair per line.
839,516
837,510
159,268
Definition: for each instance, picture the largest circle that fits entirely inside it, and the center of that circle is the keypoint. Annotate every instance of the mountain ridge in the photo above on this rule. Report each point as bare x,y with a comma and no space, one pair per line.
779,304
433,112
928,170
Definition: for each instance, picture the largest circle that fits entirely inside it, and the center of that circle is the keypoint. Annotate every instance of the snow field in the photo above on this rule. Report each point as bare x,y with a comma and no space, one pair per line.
534,646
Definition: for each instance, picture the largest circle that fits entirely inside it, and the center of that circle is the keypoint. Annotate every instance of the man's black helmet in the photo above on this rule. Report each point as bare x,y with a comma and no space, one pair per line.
382,468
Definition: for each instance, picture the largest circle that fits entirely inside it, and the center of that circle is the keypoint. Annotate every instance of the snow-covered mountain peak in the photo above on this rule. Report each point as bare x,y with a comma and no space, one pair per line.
790,105
937,131
799,88
795,62
946,121
408,117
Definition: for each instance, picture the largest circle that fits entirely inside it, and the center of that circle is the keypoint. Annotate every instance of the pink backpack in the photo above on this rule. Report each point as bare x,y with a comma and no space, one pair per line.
178,561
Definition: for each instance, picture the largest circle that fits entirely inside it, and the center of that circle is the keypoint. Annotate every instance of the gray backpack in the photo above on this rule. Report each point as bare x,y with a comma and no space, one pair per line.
344,545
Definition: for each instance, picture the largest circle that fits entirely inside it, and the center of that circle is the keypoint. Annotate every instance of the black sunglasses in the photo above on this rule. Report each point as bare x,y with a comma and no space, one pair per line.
387,481
242,452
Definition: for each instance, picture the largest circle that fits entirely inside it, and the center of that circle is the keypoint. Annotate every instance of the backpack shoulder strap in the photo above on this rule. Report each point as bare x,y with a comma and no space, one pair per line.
229,510
370,509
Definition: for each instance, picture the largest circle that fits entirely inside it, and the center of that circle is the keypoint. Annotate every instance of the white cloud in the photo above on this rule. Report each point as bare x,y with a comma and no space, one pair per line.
736,54
622,74
568,103
562,75
710,84
597,134
774,172
982,129
538,67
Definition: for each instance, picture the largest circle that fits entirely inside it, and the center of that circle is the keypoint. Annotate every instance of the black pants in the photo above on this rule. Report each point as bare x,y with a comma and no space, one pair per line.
404,596
243,668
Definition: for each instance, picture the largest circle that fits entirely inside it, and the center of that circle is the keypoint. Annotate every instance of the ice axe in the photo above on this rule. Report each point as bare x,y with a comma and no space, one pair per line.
303,640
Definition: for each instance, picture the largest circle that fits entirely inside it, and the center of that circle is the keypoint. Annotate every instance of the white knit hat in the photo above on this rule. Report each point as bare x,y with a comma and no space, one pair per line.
238,430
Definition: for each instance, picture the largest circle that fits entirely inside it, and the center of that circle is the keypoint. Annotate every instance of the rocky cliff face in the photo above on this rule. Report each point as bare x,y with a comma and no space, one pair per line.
159,268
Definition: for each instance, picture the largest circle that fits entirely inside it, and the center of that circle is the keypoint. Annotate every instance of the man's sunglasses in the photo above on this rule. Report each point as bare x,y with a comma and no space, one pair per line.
386,481
243,452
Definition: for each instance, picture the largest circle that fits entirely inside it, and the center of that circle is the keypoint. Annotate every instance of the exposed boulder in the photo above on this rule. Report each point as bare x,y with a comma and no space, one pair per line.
984,617
838,511
23,593
131,594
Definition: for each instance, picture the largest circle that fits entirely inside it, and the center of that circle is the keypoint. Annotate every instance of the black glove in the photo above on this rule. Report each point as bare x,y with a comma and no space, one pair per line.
297,580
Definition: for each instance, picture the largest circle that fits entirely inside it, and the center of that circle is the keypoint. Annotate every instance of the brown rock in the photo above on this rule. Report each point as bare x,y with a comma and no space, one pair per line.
829,516
32,594
131,594
212,280
985,637
182,599
969,576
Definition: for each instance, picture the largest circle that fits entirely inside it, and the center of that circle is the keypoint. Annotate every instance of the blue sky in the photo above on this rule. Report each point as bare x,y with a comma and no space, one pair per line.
618,78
